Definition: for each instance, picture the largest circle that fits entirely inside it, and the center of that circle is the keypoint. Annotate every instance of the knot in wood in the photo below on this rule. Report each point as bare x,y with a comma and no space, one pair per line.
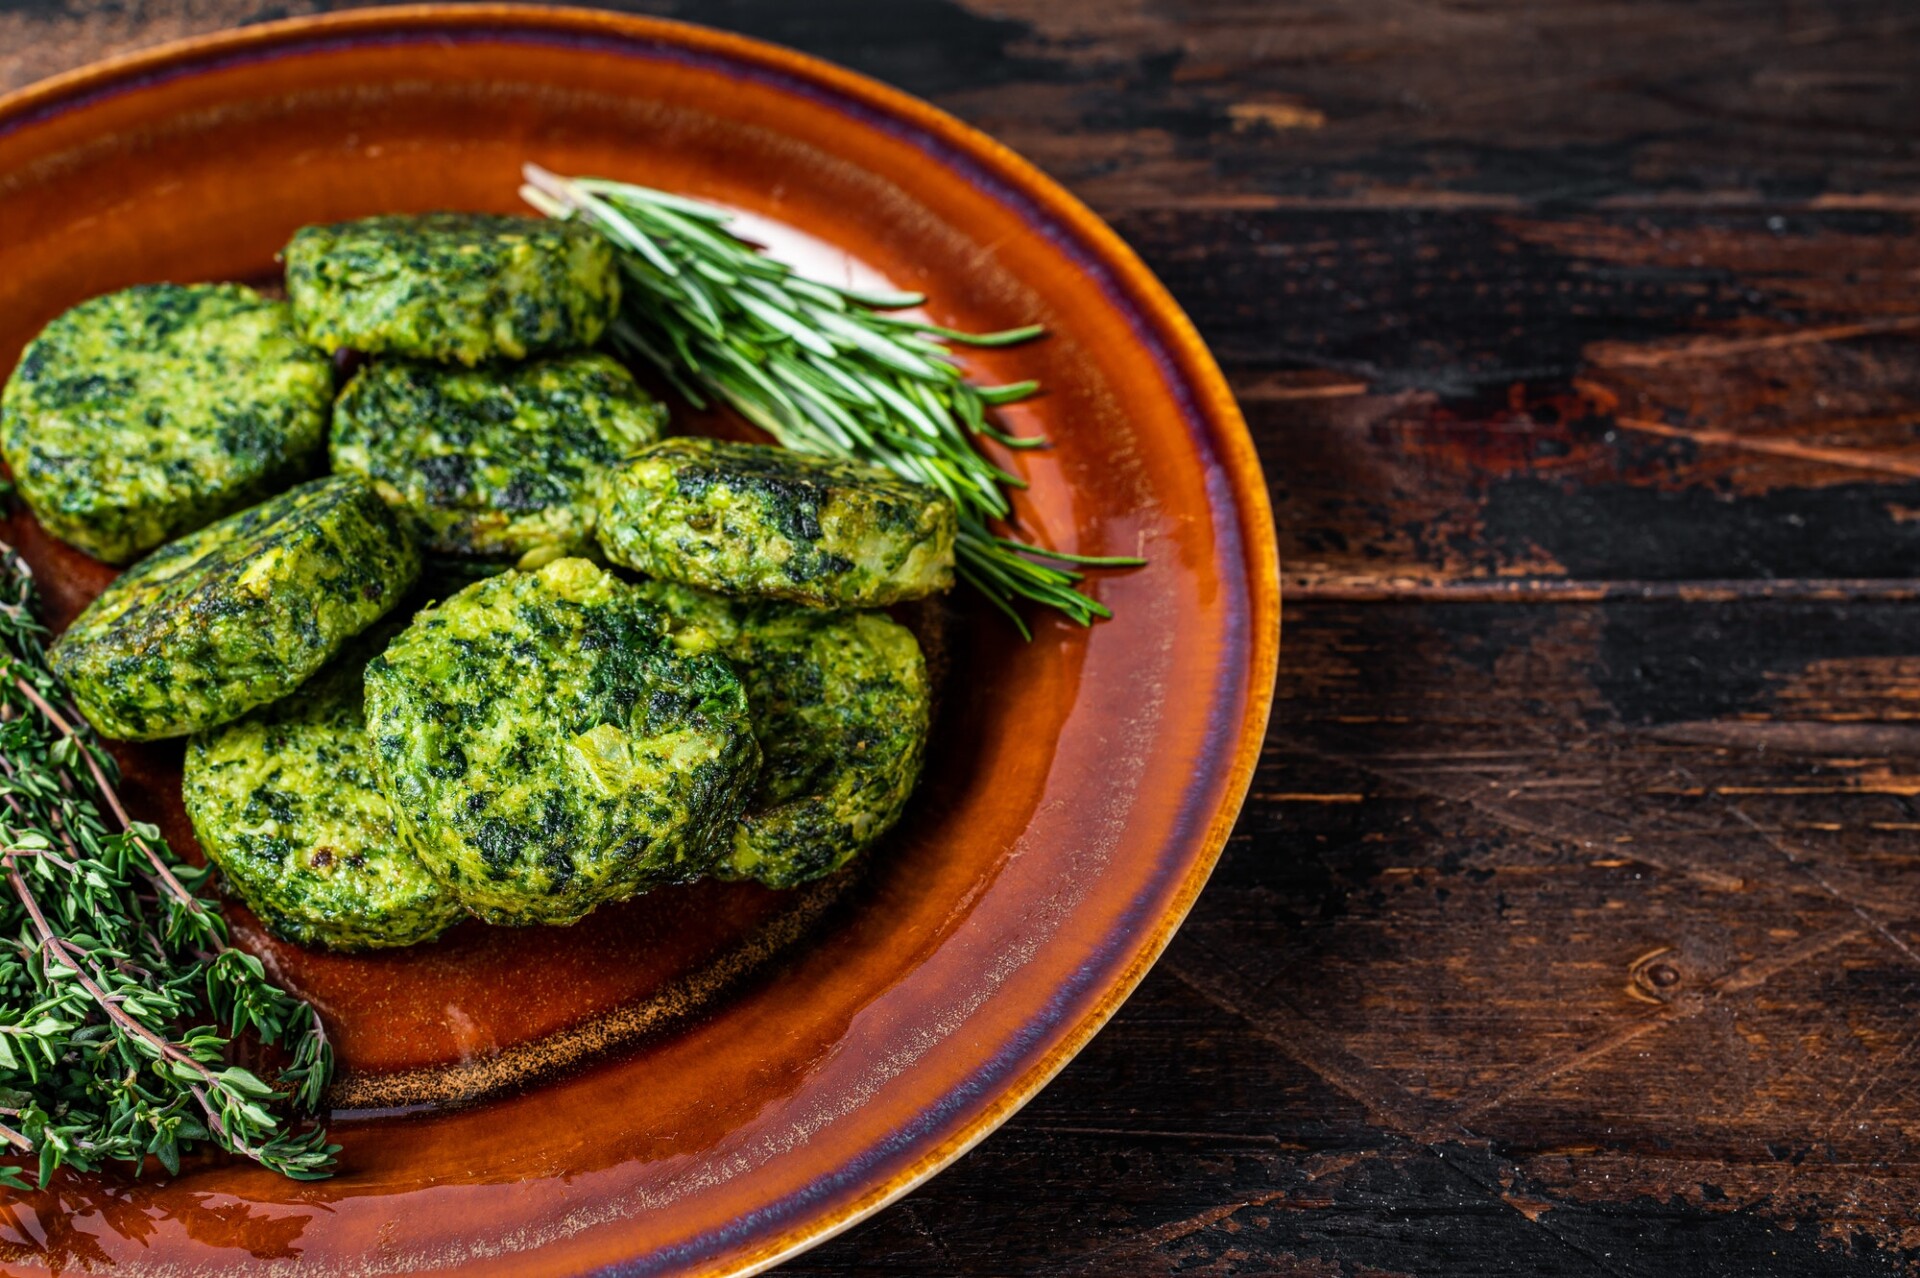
1656,976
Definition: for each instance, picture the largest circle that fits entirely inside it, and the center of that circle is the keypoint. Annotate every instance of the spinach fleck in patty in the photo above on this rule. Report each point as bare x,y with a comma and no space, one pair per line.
285,802
148,413
548,748
498,462
840,706
237,614
746,519
455,287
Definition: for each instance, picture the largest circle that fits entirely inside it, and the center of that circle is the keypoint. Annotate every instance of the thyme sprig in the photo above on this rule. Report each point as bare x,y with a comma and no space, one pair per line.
121,1002
823,369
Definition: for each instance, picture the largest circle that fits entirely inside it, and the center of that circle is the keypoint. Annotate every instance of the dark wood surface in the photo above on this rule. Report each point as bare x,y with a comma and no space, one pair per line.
1573,925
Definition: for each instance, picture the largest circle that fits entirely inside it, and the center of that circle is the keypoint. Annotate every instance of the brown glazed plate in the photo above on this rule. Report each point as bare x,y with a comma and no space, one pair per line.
712,1078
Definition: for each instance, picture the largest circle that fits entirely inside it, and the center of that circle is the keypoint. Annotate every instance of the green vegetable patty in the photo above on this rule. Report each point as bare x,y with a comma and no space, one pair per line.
285,802
745,519
840,706
147,413
499,462
237,614
547,747
454,287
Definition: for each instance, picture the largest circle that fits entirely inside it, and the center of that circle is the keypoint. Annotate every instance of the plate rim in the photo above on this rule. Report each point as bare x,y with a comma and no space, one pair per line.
1213,406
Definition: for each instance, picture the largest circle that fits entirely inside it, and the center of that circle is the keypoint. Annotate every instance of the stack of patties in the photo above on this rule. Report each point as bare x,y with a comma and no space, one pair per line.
546,739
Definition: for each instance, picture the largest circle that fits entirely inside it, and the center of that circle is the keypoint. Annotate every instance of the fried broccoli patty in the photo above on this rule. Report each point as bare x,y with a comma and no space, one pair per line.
237,614
495,463
150,412
548,747
746,519
455,287
285,802
840,705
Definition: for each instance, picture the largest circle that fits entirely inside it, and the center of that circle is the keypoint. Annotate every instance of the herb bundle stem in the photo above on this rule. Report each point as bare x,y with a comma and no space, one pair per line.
107,791
64,951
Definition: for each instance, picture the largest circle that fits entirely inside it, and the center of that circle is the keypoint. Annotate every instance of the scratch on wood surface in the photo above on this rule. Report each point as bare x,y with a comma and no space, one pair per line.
1101,1259
1275,115
1532,1208
1496,1191
1561,590
1546,1072
1724,347
1150,1133
1286,1027
1856,1089
1812,872
1874,200
1286,797
1796,736
1564,820
935,1239
1397,198
1850,458
1904,787
1591,828
1742,979
1305,1043
1268,390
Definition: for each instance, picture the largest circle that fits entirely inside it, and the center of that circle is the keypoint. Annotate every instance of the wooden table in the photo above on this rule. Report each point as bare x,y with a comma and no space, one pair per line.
1573,926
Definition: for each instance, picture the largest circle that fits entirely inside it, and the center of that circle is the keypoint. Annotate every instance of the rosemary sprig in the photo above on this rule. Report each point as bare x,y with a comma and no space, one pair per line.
120,1000
823,369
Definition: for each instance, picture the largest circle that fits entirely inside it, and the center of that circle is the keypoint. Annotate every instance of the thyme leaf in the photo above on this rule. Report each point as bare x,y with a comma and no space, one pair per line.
121,1004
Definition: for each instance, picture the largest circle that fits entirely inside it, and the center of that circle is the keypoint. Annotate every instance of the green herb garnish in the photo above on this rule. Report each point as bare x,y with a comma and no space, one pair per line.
821,368
120,1000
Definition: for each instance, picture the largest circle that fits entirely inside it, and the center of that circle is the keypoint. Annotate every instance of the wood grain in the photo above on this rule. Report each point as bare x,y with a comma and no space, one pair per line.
1574,924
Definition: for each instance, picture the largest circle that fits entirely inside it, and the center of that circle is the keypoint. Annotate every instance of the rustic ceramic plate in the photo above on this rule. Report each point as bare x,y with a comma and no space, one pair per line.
705,1080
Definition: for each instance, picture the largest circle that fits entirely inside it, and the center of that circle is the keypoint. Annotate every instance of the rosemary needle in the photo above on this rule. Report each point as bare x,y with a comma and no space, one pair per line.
823,369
